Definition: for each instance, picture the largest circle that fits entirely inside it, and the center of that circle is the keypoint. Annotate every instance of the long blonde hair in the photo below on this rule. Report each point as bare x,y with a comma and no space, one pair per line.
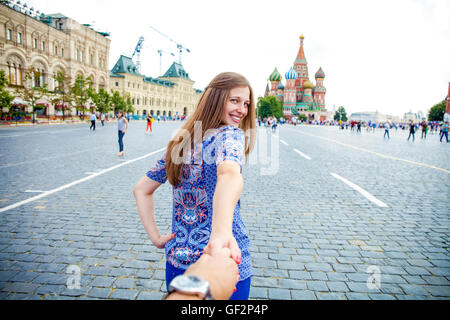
209,111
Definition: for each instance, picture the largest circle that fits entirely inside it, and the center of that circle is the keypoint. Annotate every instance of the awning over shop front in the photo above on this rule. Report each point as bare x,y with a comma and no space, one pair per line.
42,102
19,102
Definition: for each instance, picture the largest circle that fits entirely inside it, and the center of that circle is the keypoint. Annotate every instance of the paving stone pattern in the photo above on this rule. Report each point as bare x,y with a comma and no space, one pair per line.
312,237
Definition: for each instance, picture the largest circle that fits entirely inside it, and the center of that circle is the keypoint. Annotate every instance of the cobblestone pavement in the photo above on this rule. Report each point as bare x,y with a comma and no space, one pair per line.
345,216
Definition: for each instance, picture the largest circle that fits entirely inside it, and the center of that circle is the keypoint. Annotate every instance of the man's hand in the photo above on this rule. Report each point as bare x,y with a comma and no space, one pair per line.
218,269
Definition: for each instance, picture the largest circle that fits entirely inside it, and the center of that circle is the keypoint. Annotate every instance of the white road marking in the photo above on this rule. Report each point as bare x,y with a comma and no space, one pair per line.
284,142
360,190
7,165
34,191
66,186
302,154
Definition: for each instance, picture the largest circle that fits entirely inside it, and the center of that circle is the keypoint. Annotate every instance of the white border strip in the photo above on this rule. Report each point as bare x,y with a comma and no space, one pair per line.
284,142
360,190
302,154
66,186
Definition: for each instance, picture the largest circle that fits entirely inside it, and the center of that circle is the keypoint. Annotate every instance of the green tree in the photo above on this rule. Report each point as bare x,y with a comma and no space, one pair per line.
32,91
437,112
62,97
117,102
269,106
80,93
102,100
340,114
128,104
5,97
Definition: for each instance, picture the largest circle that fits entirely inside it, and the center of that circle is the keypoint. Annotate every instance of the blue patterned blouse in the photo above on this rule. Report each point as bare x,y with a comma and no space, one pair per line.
193,199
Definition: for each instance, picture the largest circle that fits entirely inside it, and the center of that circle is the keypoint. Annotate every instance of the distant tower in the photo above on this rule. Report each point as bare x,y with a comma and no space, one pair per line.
274,79
267,92
290,93
301,67
319,90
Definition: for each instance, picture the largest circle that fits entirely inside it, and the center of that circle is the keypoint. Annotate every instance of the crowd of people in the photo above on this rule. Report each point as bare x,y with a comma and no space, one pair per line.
432,127
425,127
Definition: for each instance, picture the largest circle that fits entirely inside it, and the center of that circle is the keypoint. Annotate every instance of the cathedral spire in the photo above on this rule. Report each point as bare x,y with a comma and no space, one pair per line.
301,53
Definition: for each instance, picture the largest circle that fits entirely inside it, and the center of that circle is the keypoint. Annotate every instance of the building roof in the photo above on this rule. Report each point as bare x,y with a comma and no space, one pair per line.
57,15
291,74
320,74
301,52
125,65
159,81
275,76
176,70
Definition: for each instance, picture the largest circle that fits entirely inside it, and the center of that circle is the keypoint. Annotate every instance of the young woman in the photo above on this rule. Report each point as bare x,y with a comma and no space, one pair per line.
149,123
122,125
203,163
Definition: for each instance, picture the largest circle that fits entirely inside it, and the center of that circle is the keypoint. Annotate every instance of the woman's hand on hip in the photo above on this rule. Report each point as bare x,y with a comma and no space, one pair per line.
161,241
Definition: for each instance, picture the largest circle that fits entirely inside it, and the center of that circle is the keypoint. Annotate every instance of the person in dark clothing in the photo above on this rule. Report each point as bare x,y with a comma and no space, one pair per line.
412,130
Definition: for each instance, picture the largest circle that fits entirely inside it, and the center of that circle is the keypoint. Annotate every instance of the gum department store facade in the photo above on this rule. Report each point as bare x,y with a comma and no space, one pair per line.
52,43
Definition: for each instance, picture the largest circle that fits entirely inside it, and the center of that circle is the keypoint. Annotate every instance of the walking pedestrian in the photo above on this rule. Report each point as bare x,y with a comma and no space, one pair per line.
444,131
424,129
358,126
102,119
412,130
274,124
149,123
206,185
93,119
386,130
122,125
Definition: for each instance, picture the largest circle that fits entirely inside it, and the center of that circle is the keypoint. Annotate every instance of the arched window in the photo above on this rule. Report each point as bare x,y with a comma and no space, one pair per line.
38,76
15,70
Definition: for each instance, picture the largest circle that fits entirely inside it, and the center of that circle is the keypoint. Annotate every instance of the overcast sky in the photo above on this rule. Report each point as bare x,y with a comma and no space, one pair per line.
390,56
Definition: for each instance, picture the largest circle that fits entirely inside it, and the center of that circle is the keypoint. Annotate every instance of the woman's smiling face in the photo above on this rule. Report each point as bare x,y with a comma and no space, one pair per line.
236,107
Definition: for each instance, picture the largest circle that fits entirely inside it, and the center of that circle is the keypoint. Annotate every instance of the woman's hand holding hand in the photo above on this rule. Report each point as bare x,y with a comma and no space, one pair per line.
224,241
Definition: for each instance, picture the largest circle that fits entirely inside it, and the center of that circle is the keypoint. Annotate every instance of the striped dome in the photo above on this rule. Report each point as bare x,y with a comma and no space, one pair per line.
320,74
275,76
291,74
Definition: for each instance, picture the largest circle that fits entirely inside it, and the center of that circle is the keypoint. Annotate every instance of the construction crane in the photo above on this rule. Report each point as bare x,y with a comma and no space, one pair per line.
180,47
137,52
160,51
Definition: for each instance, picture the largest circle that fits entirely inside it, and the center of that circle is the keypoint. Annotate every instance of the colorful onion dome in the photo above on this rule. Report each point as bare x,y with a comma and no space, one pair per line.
280,86
291,74
308,85
275,76
320,74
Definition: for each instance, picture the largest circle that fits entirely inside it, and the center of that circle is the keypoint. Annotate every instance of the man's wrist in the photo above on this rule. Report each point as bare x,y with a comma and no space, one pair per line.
181,296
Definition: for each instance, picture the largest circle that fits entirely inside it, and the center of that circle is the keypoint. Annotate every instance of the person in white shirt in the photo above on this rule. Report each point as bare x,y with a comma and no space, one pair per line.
386,130
103,119
274,124
93,119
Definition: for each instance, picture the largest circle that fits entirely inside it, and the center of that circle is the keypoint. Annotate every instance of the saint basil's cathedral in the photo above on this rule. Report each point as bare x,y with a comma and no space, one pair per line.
299,95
